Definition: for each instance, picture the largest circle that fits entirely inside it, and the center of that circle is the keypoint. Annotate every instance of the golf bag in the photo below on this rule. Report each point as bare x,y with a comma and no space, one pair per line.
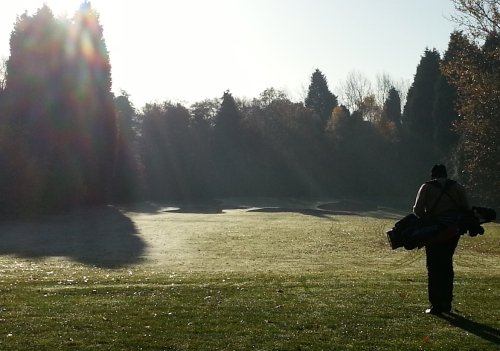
411,232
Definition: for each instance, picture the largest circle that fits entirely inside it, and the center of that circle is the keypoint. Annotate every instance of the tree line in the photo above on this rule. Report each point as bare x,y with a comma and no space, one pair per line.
66,140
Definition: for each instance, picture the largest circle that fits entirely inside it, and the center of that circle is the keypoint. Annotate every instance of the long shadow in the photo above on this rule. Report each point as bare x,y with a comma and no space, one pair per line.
201,207
102,237
363,208
325,210
483,331
304,211
216,208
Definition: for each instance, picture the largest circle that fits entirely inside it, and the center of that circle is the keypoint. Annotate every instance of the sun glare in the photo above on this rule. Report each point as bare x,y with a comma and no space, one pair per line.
64,8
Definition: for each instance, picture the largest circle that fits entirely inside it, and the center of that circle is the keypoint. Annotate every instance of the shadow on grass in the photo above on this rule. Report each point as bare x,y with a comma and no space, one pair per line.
308,208
198,207
304,211
102,237
363,208
483,331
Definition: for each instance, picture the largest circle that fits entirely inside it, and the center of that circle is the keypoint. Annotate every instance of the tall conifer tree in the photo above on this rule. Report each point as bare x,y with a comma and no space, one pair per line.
391,110
31,92
93,107
61,112
320,98
417,114
228,118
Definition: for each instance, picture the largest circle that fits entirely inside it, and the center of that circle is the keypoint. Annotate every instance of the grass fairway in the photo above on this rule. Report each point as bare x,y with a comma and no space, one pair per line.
231,278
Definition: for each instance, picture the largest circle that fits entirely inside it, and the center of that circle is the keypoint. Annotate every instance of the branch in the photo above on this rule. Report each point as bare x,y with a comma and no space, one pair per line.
479,17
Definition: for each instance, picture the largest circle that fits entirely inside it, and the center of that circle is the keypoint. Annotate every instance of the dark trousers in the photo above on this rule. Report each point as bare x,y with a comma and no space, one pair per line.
440,272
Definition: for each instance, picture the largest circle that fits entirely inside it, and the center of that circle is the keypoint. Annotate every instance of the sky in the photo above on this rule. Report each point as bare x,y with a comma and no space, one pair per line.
190,50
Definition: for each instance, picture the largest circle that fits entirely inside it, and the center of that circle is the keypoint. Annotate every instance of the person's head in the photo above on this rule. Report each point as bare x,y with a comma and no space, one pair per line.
438,171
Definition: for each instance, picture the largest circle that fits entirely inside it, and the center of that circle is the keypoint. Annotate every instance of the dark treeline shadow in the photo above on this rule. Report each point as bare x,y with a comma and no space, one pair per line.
273,205
483,331
304,211
198,206
101,236
341,208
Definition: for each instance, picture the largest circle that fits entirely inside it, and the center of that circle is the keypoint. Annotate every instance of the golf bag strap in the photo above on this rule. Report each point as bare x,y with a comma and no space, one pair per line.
443,191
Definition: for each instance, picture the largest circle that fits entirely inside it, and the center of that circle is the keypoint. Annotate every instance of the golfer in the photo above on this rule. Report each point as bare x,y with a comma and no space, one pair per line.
440,197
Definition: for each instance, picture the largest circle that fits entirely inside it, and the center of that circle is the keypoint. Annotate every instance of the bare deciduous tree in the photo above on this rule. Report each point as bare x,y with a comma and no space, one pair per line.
354,90
478,17
402,86
383,83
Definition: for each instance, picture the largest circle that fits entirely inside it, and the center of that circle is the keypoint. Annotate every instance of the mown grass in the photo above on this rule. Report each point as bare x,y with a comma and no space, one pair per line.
251,281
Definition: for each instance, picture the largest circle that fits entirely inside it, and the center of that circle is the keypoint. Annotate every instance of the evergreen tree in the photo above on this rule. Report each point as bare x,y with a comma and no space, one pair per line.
319,97
89,91
165,151
391,110
389,124
445,116
444,113
227,119
229,146
228,132
31,107
60,111
418,126
417,114
128,179
202,121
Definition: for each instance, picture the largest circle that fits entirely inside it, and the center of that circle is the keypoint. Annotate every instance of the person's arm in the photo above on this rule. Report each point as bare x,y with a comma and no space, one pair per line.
419,207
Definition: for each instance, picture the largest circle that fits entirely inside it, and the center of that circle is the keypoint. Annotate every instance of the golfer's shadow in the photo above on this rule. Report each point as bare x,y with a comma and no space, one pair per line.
483,331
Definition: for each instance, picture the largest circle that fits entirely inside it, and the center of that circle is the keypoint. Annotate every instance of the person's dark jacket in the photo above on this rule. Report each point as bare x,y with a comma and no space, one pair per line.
430,198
